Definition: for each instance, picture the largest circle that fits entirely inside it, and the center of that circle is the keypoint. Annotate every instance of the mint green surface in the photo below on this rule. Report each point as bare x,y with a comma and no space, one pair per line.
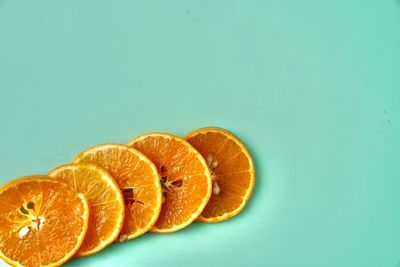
312,88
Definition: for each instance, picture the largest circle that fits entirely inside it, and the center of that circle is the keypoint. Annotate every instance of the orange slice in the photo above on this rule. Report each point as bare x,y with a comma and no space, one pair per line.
232,172
105,202
43,221
185,179
138,179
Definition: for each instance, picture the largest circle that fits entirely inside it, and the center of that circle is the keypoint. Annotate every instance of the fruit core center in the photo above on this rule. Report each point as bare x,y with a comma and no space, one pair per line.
213,165
29,220
167,182
129,196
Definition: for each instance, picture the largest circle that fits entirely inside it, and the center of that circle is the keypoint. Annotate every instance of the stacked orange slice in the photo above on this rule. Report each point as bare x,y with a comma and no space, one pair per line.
232,172
184,175
43,222
138,179
105,203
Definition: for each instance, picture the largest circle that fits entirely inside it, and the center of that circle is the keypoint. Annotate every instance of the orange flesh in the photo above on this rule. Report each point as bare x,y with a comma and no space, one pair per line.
232,171
105,201
184,175
138,180
55,215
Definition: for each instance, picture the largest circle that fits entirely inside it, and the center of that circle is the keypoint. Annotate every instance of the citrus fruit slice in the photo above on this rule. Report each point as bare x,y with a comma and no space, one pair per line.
138,180
232,172
43,221
185,179
106,203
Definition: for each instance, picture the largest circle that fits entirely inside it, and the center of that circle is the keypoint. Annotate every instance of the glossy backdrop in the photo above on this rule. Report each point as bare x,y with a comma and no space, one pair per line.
312,88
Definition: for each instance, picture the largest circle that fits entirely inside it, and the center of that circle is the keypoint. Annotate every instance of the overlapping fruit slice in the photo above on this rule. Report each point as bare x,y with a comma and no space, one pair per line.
185,179
138,180
105,202
43,222
232,172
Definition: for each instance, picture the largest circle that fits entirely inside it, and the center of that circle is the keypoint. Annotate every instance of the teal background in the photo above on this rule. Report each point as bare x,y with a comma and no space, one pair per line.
311,87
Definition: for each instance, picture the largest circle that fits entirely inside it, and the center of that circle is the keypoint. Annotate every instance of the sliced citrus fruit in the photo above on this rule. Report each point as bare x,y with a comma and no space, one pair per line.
185,179
232,172
43,221
105,202
137,178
